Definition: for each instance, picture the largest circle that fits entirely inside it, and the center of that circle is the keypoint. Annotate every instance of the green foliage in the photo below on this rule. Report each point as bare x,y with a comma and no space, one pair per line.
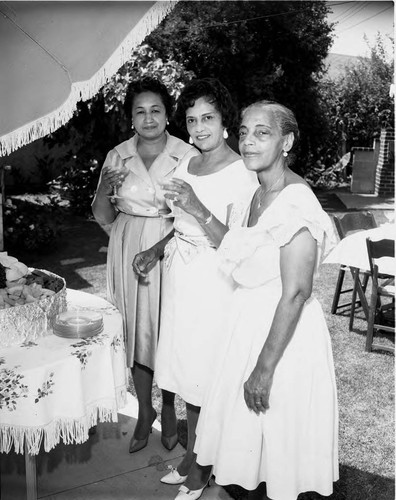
31,224
358,102
77,183
46,166
354,107
325,174
259,50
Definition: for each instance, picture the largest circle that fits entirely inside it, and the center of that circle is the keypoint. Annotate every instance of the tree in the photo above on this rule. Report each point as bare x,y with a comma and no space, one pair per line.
359,101
259,50
355,107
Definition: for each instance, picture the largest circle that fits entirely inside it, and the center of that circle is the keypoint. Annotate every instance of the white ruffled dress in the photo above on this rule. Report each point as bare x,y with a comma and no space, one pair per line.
293,447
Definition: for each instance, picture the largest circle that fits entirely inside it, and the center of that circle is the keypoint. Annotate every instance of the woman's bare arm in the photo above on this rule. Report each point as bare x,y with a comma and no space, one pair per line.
103,209
297,263
144,261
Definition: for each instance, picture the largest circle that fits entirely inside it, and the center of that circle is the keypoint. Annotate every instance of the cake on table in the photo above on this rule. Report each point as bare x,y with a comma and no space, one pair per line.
30,299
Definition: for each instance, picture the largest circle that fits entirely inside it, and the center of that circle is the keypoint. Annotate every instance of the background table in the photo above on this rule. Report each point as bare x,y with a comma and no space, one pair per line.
352,251
56,388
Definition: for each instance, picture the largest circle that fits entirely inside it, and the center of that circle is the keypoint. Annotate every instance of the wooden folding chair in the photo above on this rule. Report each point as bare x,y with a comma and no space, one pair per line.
382,300
346,224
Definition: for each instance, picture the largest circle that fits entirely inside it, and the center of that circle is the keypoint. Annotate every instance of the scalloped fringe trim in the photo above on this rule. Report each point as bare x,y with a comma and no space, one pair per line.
81,91
71,432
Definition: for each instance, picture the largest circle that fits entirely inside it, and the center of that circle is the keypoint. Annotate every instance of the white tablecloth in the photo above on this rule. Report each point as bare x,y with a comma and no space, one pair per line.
352,250
57,388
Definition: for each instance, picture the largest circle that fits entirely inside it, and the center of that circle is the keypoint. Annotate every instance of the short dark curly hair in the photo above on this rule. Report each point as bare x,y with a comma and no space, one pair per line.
147,84
212,90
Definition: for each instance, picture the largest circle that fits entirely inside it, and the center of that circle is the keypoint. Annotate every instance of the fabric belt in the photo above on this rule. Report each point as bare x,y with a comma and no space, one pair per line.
188,247
154,215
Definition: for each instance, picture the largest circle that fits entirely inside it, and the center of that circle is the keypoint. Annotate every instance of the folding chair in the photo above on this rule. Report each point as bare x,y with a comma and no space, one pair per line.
383,287
347,224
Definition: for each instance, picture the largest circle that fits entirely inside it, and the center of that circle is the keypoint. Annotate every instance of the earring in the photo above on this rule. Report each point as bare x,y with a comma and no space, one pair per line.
285,154
132,127
190,140
225,134
167,122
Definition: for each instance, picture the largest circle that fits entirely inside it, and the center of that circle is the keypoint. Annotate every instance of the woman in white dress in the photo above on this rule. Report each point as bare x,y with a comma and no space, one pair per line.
136,168
195,295
269,422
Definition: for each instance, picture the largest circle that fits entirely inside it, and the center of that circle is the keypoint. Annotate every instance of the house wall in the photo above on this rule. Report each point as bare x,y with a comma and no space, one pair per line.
385,171
373,169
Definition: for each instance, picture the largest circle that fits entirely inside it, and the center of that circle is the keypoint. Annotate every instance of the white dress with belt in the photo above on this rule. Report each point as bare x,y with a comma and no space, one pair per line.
195,294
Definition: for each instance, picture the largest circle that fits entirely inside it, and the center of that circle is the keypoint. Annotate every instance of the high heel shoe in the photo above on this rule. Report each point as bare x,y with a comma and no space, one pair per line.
169,424
138,444
169,442
186,494
173,477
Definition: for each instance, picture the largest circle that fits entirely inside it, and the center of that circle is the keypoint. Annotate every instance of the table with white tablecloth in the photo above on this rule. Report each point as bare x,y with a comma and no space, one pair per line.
55,389
352,251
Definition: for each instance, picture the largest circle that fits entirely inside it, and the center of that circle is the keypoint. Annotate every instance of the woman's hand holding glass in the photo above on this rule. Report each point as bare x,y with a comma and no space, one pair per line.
181,195
112,178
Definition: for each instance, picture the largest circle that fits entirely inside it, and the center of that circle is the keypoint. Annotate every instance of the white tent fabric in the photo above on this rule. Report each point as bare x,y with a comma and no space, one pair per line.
53,54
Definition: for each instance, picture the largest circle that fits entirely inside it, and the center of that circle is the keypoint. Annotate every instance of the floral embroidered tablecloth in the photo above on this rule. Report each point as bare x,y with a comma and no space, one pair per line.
56,388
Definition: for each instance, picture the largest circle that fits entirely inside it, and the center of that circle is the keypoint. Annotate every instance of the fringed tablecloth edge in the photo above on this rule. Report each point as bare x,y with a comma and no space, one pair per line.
70,431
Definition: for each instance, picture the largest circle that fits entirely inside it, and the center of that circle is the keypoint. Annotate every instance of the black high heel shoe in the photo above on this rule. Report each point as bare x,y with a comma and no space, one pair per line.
138,444
169,442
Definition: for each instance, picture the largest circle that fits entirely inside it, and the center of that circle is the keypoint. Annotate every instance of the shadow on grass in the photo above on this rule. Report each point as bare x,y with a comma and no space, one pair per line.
79,255
380,337
353,484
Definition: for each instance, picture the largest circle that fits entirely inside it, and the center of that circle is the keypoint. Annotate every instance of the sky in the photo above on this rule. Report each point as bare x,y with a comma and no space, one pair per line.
355,19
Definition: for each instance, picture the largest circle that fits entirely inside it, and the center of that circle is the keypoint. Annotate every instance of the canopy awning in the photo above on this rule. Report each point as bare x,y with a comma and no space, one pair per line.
54,54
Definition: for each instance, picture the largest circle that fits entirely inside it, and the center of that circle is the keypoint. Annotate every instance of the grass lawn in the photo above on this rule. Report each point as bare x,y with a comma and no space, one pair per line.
365,380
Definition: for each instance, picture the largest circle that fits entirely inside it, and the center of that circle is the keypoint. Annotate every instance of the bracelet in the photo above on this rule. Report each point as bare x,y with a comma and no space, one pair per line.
208,219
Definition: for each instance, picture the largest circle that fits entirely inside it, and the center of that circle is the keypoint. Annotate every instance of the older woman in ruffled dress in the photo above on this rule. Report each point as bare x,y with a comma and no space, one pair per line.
269,422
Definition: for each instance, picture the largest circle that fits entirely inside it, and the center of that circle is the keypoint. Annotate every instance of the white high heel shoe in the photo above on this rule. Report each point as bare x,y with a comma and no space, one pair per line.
186,494
173,477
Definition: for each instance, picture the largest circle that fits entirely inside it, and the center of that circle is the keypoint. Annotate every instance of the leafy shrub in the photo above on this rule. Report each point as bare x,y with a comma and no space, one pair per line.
358,103
77,183
324,175
31,224
46,171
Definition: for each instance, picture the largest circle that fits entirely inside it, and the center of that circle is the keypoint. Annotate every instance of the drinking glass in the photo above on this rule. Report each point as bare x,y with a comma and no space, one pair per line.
173,210
121,170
